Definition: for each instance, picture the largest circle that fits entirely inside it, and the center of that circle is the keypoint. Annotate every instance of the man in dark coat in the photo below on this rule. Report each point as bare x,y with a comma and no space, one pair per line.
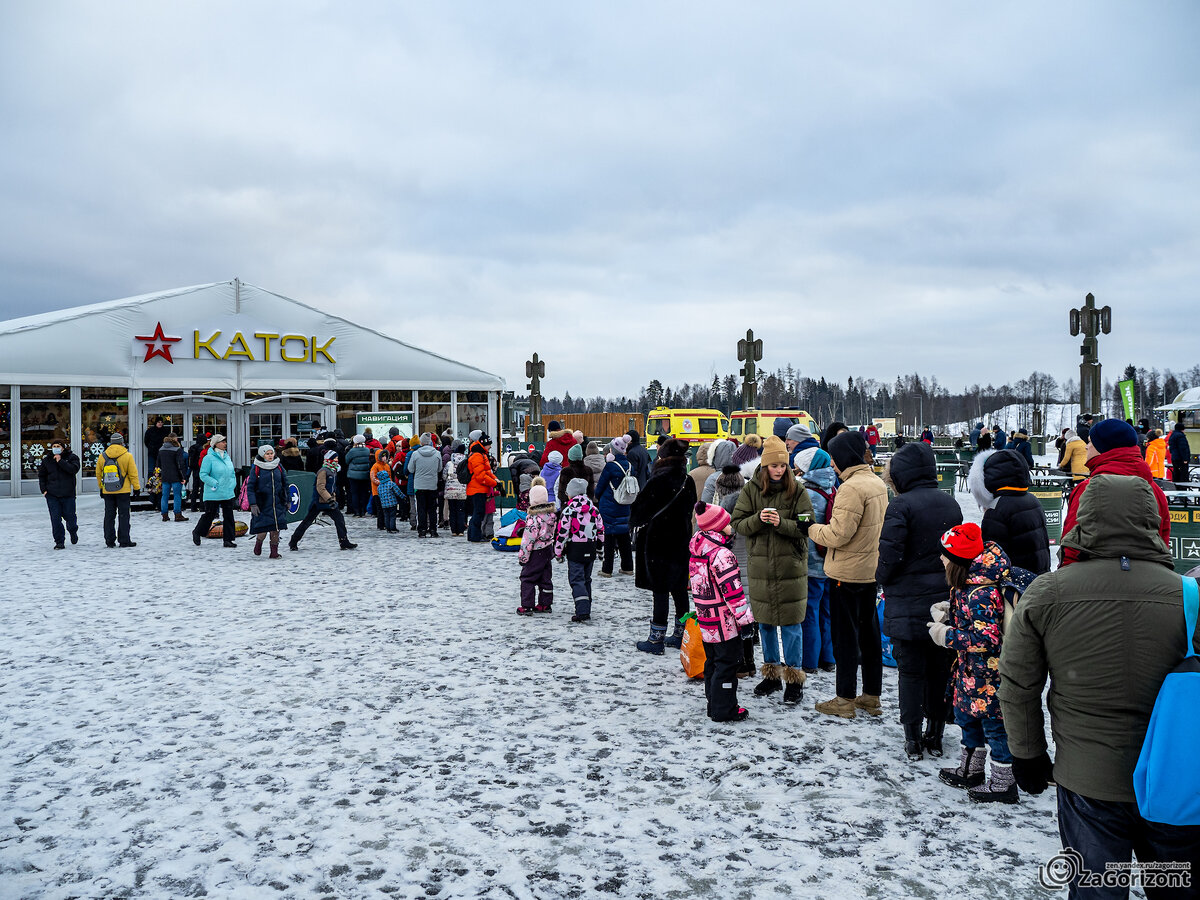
1181,454
1000,482
913,578
999,441
637,457
56,480
153,441
1021,445
172,463
1107,629
194,453
663,514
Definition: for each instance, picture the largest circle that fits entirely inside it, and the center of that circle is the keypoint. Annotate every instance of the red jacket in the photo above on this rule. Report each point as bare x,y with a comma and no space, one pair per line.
562,442
872,436
1121,461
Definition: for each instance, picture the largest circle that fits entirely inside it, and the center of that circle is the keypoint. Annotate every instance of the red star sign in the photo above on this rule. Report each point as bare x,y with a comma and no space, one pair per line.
157,344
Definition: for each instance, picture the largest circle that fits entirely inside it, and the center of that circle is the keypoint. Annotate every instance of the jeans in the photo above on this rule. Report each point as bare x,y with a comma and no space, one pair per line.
721,663
457,519
62,509
923,674
793,644
211,509
614,544
427,513
1104,831
116,509
169,488
314,510
818,639
360,492
661,596
976,731
856,637
478,504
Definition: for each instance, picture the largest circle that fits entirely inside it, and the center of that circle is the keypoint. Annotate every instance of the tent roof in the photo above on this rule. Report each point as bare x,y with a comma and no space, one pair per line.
98,337
1189,399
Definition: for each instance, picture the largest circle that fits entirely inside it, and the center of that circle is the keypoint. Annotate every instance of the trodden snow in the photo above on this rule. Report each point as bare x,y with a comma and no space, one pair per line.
186,722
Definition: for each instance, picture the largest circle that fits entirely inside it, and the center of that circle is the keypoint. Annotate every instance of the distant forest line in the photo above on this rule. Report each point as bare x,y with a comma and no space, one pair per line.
917,400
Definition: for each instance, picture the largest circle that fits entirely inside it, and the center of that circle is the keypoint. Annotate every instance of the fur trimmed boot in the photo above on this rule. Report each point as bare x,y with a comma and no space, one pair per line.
869,703
772,681
654,643
999,788
969,771
793,680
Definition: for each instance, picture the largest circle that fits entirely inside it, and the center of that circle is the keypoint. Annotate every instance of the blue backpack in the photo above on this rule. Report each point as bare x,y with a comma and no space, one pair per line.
1166,781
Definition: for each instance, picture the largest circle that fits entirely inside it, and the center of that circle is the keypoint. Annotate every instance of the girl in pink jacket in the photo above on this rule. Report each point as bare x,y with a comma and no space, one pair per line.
536,555
721,609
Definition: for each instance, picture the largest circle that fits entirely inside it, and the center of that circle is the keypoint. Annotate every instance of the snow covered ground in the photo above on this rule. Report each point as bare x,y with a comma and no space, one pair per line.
183,722
1057,417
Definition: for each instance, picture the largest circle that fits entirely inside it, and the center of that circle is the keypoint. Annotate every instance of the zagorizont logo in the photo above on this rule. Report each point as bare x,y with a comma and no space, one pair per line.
1066,868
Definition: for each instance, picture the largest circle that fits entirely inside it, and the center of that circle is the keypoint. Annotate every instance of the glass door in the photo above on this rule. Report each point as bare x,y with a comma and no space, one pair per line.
208,423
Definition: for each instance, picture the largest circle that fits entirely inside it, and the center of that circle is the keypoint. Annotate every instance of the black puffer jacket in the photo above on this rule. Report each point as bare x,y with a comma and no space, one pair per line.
910,566
57,477
1015,520
172,464
663,514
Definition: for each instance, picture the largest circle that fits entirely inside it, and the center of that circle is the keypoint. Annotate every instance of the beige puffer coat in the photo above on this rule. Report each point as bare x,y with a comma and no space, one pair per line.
852,534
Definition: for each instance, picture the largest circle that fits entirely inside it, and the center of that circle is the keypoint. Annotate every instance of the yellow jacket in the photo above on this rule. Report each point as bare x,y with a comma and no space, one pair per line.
1156,457
1075,458
125,464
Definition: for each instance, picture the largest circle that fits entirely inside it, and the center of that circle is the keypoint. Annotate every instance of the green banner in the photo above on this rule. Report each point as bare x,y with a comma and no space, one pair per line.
1126,389
380,423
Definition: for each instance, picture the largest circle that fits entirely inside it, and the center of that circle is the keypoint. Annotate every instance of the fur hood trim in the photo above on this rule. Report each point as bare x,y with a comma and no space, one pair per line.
983,497
541,508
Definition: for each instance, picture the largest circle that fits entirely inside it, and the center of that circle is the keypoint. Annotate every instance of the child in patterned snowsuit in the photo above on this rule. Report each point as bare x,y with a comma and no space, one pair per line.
721,609
971,622
536,555
388,496
580,533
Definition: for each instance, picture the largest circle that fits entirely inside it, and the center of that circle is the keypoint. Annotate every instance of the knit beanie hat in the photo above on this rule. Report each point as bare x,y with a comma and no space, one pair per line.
848,449
1109,434
799,433
673,448
554,457
575,487
554,425
359,439
575,454
774,452
526,483
116,438
262,450
962,543
811,459
1022,434
212,441
426,439
753,440
591,449
710,517
744,454
475,435
578,435
620,445
331,455
780,427
537,492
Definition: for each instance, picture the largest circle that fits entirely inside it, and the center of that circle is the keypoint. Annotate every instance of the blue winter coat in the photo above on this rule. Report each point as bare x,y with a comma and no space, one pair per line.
358,463
1023,447
824,478
999,440
615,516
268,490
218,475
389,493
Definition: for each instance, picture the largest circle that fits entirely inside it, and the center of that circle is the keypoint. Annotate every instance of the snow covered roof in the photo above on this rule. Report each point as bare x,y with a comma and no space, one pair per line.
1189,399
263,340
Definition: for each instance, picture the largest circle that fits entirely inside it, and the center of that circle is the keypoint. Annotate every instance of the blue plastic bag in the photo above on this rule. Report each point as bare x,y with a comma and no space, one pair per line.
1166,780
888,659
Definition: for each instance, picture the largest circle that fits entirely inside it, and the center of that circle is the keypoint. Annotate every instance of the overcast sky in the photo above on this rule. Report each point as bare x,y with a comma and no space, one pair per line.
625,188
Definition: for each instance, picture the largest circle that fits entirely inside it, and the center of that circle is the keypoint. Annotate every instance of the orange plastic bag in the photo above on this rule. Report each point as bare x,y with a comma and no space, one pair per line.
691,651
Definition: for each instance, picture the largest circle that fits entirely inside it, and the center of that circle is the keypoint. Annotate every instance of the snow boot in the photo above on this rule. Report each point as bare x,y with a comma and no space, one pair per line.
258,542
931,740
166,518
793,692
828,667
180,517
969,772
654,643
675,641
274,551
772,680
524,610
347,545
912,742
837,706
738,715
230,544
999,788
869,703
747,669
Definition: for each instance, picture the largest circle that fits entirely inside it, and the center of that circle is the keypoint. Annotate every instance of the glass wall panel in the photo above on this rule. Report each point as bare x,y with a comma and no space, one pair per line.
265,428
205,424
433,412
99,419
5,437
42,421
472,412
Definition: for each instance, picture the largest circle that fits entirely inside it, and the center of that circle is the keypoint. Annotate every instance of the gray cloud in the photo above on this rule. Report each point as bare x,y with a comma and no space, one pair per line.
625,189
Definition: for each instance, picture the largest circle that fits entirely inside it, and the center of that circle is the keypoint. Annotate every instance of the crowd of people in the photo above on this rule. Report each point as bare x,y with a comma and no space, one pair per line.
787,544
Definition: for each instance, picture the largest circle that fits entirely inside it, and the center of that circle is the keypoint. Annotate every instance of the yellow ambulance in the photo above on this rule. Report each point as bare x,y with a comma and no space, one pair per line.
762,422
692,425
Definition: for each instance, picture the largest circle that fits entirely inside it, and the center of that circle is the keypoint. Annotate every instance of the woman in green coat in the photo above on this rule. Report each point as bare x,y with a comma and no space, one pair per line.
769,515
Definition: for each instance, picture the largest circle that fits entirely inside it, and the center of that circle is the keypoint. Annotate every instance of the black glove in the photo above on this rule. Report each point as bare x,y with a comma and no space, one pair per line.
748,632
804,526
1033,775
